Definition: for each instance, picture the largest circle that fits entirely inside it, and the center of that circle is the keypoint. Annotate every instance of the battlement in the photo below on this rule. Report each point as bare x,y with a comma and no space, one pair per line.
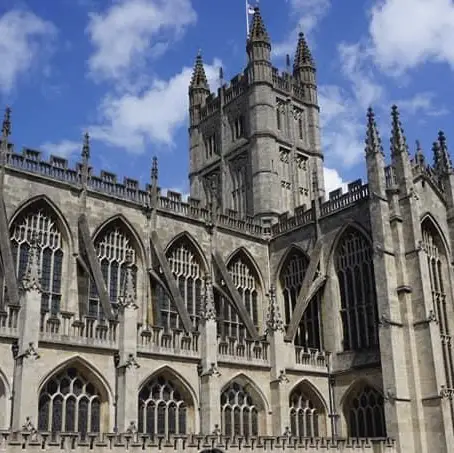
135,442
338,201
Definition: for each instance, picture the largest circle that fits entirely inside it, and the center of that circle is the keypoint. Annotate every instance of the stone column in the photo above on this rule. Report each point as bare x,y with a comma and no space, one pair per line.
127,378
210,420
279,351
25,396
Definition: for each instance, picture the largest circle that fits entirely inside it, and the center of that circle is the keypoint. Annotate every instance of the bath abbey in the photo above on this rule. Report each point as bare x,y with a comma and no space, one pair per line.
261,313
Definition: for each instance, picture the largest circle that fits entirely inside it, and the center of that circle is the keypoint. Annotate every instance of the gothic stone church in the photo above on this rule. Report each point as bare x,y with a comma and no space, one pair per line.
260,314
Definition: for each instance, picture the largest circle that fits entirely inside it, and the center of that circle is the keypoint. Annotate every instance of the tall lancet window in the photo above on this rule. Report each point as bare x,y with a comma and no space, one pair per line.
355,273
187,268
114,247
40,219
240,185
438,268
70,402
163,408
293,271
246,282
239,412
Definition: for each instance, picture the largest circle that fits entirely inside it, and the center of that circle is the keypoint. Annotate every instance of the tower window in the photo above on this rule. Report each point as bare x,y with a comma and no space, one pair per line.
239,127
210,146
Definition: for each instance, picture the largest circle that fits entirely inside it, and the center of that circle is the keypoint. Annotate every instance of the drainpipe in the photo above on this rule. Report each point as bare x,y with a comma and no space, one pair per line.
14,351
116,359
332,404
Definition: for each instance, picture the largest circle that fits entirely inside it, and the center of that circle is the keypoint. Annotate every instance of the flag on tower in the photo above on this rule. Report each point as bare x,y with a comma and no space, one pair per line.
250,8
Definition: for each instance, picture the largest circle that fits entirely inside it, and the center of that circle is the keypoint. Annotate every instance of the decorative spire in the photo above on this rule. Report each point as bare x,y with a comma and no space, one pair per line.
128,299
373,140
154,172
199,78
258,30
398,141
31,280
446,160
419,155
274,320
6,128
209,310
86,148
303,55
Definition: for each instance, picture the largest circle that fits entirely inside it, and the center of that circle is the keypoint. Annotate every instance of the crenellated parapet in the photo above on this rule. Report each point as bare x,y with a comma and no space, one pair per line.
133,441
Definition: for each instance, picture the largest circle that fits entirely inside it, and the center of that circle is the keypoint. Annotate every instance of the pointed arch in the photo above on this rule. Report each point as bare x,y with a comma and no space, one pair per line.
187,236
166,403
243,407
128,227
247,256
363,408
40,217
352,259
4,400
307,410
292,249
74,397
428,219
52,206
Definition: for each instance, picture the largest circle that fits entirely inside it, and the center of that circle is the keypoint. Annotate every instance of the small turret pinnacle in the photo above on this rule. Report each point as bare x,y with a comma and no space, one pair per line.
128,298
32,278
303,55
419,154
373,140
6,128
199,78
274,320
86,148
258,30
398,141
154,172
443,162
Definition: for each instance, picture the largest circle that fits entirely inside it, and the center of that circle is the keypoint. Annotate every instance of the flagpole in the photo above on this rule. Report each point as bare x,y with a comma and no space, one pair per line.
247,17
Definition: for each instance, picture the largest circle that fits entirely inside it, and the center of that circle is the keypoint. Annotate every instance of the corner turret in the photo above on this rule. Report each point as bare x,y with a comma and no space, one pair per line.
375,159
199,89
304,69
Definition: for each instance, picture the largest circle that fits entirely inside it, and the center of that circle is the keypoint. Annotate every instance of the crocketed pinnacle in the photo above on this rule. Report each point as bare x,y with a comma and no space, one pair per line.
86,148
398,141
129,293
6,127
303,55
199,78
258,30
32,278
443,162
154,172
419,154
373,140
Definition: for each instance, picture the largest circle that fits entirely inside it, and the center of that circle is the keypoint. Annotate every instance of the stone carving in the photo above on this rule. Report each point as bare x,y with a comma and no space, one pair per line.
274,320
32,277
209,310
28,426
31,352
128,299
390,396
131,362
132,428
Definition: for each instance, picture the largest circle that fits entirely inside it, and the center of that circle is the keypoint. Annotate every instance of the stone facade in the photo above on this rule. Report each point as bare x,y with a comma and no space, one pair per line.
254,314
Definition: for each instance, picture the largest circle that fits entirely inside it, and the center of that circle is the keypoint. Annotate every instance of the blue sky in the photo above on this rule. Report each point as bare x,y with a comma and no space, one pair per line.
120,69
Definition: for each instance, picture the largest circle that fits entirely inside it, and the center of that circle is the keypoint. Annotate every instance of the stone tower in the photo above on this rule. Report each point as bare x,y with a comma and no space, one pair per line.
255,145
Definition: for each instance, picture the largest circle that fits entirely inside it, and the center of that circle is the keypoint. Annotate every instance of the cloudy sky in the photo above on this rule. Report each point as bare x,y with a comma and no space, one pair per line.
120,69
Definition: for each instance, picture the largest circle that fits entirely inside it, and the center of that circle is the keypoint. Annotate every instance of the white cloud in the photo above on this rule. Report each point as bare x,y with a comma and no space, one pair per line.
333,180
130,31
421,102
23,39
65,148
406,33
305,14
132,120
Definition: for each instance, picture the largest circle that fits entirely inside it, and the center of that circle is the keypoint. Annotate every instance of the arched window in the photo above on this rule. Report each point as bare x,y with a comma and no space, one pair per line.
40,219
293,271
69,402
163,409
239,413
365,413
246,281
437,264
186,266
306,413
355,273
112,245
3,408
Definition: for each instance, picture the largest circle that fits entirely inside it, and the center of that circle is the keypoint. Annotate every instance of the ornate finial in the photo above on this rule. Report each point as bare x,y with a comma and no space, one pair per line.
258,30
154,172
209,310
28,426
419,155
31,280
303,55
446,164
199,77
86,148
6,129
128,299
398,141
373,140
274,320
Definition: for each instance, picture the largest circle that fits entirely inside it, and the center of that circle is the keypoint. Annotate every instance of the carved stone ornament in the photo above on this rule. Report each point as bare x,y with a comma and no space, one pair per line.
128,298
446,393
31,352
132,428
287,432
212,371
209,310
274,320
28,426
390,396
32,278
131,362
217,431
282,378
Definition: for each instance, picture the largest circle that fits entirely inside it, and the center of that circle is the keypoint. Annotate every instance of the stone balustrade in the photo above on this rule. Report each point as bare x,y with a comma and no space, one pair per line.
9,319
311,358
243,351
135,442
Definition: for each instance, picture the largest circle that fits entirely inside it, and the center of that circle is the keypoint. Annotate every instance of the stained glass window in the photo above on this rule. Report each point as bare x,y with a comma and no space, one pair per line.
355,273
69,402
39,219
162,408
305,413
